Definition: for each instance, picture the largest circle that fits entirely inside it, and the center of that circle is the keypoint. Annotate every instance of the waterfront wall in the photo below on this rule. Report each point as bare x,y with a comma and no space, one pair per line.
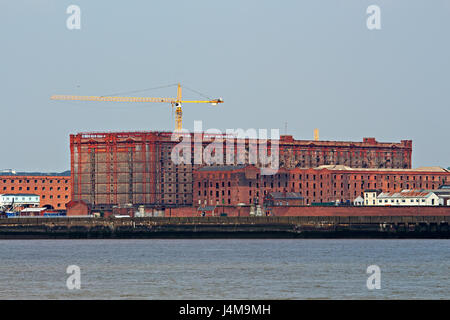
228,227
320,211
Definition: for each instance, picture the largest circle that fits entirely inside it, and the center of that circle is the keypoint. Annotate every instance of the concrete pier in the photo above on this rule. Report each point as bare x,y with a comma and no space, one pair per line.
227,227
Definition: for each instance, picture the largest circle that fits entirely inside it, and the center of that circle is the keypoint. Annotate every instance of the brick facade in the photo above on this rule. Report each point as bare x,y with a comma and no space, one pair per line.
53,190
135,168
245,185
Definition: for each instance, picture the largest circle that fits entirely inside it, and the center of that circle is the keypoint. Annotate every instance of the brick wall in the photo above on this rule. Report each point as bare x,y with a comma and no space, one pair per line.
52,190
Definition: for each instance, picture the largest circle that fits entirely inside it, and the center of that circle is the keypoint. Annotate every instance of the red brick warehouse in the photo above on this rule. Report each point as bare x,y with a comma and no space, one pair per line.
234,185
110,169
54,190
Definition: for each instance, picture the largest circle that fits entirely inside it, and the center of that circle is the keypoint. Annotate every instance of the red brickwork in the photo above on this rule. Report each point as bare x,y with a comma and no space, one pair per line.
246,185
321,211
54,191
135,168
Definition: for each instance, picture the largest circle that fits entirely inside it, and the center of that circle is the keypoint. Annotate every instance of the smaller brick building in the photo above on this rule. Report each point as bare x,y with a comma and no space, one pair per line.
53,189
77,208
235,185
244,185
276,199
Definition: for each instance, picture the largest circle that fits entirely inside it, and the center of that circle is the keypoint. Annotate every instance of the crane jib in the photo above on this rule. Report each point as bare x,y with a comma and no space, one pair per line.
178,101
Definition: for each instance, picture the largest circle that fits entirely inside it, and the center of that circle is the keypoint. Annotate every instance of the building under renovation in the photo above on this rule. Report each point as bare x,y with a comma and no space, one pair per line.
136,168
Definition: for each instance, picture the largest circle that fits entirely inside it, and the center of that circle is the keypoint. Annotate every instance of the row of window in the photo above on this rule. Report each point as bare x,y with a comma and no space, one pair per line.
35,181
403,200
374,177
21,198
205,184
217,201
58,196
35,188
217,193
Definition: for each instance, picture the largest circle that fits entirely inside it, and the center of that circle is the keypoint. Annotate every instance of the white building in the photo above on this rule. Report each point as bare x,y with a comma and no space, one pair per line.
408,198
19,200
359,201
444,195
370,197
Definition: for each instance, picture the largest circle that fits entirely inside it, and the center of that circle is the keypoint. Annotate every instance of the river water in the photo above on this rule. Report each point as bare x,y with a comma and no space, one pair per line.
225,269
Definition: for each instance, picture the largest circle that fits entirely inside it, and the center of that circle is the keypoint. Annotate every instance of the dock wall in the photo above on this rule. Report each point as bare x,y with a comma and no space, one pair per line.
228,227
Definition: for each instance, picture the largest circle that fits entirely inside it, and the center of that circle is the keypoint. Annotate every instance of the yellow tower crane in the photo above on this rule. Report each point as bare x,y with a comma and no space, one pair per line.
177,102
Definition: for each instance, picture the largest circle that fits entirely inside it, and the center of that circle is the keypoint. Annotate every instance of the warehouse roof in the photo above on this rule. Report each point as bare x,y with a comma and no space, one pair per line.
347,168
20,195
33,209
406,194
14,173
285,195
206,208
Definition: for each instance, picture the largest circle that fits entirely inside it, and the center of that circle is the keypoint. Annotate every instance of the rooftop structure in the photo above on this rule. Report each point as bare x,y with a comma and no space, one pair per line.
408,198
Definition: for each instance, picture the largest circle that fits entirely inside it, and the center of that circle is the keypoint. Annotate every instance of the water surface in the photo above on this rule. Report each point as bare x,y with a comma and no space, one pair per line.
224,269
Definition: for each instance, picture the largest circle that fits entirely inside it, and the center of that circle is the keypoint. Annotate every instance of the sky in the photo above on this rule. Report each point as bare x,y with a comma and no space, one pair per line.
292,65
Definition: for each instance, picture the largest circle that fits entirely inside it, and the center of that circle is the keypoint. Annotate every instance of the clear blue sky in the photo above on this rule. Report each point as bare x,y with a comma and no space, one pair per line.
310,63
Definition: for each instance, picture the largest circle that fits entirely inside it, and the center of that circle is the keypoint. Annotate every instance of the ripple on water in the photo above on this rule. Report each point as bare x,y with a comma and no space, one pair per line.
224,269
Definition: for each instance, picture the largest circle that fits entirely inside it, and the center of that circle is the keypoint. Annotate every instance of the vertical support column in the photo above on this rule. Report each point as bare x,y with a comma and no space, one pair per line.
115,170
130,174
93,171
144,165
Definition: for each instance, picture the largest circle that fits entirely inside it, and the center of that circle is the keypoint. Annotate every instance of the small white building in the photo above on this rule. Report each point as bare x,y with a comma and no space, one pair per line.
444,195
19,200
408,198
370,197
359,201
